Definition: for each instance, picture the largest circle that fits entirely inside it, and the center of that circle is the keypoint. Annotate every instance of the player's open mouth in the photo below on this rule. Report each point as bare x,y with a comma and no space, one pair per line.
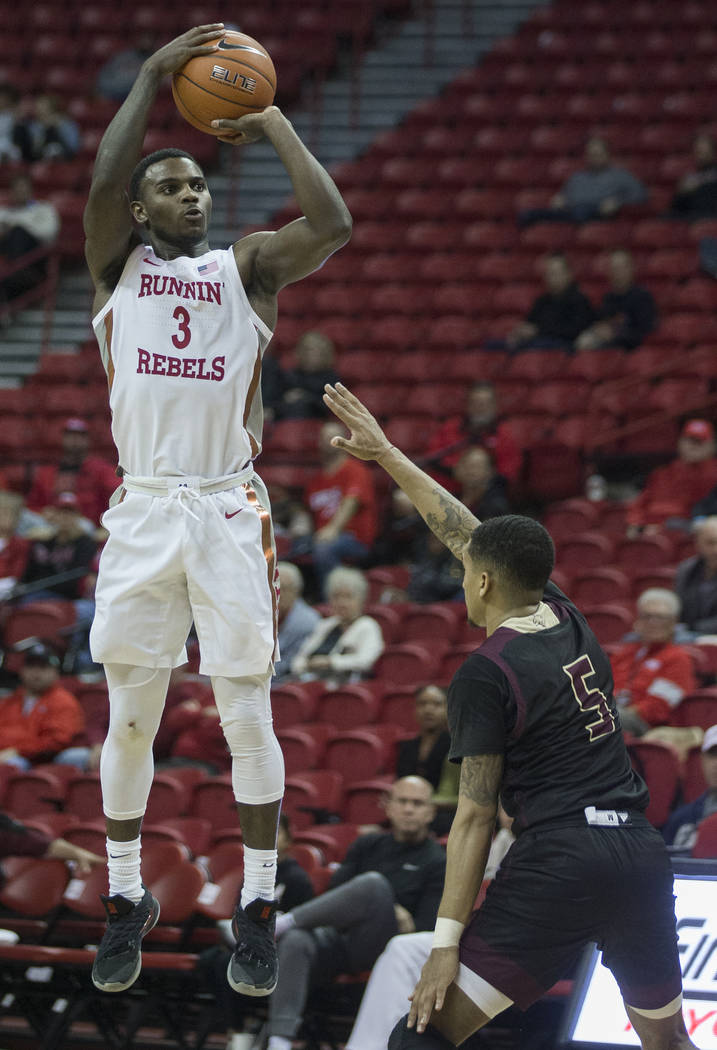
193,213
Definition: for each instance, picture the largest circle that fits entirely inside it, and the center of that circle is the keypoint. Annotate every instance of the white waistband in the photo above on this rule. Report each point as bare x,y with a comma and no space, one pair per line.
166,486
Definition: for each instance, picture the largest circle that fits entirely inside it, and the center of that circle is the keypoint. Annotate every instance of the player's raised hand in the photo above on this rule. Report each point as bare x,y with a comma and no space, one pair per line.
249,128
366,440
438,973
198,41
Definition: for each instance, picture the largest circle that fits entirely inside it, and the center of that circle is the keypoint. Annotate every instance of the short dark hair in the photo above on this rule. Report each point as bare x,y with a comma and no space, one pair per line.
519,549
135,182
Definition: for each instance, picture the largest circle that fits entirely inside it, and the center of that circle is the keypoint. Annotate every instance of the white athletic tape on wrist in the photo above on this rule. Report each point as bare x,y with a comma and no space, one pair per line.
447,933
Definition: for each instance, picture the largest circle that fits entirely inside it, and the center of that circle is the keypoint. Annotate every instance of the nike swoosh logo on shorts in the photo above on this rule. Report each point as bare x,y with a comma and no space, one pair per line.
233,513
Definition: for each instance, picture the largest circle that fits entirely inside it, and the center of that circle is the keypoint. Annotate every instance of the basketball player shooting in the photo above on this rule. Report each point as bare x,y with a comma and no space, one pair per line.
532,719
182,330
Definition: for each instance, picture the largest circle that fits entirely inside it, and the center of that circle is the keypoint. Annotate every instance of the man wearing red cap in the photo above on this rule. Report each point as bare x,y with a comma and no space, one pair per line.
69,550
91,478
672,491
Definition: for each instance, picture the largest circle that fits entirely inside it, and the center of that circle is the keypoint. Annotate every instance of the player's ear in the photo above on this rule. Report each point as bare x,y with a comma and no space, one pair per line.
139,213
485,583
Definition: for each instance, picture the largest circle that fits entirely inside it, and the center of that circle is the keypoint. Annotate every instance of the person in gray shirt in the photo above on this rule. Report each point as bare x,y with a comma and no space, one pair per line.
696,580
297,620
598,191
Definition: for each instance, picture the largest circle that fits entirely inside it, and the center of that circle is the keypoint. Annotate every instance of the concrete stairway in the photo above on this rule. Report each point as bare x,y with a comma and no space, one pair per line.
251,184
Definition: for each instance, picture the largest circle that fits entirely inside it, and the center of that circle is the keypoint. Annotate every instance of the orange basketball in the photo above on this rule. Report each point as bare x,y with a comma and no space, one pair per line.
236,79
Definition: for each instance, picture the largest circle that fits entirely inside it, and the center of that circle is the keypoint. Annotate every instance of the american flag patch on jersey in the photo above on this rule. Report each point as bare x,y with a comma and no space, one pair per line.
211,267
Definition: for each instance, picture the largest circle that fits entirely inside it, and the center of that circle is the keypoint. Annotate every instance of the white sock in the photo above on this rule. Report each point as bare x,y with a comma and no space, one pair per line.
259,875
278,1042
284,923
123,864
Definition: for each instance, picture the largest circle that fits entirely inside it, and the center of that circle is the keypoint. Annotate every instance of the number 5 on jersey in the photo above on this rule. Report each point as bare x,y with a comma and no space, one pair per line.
590,698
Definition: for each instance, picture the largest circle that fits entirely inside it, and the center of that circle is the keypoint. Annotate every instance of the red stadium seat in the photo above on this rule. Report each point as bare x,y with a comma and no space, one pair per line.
599,586
314,793
291,705
356,755
569,518
610,621
365,801
332,839
705,845
697,709
301,750
643,552
588,551
214,801
421,623
348,707
406,664
659,766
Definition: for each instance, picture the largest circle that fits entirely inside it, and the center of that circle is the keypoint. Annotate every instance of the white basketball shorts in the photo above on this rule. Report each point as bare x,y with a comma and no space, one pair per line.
183,555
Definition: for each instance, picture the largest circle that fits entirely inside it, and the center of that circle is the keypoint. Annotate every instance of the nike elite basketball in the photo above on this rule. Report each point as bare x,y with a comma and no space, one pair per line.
238,78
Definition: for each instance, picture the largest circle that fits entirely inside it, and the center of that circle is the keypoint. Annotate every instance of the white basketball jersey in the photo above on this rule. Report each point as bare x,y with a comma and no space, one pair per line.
182,349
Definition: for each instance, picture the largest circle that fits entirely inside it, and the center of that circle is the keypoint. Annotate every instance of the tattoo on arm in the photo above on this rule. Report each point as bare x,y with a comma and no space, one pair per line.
481,777
454,523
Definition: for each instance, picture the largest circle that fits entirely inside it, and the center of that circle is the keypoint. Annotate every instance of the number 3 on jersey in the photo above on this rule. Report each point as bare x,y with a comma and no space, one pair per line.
590,698
181,339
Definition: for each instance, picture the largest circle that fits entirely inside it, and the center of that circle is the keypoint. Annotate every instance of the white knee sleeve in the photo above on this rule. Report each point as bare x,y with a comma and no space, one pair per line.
137,696
257,761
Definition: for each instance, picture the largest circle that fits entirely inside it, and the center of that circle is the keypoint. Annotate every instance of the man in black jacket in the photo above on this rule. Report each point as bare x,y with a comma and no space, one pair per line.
559,315
389,882
696,581
627,313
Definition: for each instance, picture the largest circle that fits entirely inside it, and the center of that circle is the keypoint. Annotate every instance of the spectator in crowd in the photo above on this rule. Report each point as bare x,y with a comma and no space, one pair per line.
272,387
189,703
302,397
672,491
559,315
25,224
424,755
13,549
297,620
681,828
40,717
398,968
389,883
11,135
119,72
696,581
696,193
69,550
436,575
345,645
293,887
292,521
342,502
598,191
627,313
51,134
91,478
480,488
18,840
482,426
652,674
402,530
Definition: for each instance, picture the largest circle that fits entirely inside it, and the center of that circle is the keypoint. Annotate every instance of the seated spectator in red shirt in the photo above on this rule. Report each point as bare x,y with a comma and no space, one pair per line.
40,717
672,491
480,426
480,488
652,674
68,550
91,478
342,502
19,840
13,550
627,313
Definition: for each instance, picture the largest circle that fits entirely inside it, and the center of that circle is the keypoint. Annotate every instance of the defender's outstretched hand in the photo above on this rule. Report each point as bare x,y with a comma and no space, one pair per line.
367,440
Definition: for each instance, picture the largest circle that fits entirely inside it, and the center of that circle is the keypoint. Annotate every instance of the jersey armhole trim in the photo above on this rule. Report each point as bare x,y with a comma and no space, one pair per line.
256,320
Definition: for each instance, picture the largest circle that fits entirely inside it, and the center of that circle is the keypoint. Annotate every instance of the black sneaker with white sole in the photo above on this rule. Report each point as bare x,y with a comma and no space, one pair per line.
253,968
119,956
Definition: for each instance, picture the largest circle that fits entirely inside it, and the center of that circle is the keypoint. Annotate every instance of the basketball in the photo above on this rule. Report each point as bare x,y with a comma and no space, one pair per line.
239,78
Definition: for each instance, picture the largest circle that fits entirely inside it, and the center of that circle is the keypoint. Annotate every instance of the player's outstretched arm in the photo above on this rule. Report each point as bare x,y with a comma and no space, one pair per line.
107,219
300,247
443,513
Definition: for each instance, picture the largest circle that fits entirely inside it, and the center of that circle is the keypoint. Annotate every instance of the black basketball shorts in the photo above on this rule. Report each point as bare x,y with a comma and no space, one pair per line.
559,889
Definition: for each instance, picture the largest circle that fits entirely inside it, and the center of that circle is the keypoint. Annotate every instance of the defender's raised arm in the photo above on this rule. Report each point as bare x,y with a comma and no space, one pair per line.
445,515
